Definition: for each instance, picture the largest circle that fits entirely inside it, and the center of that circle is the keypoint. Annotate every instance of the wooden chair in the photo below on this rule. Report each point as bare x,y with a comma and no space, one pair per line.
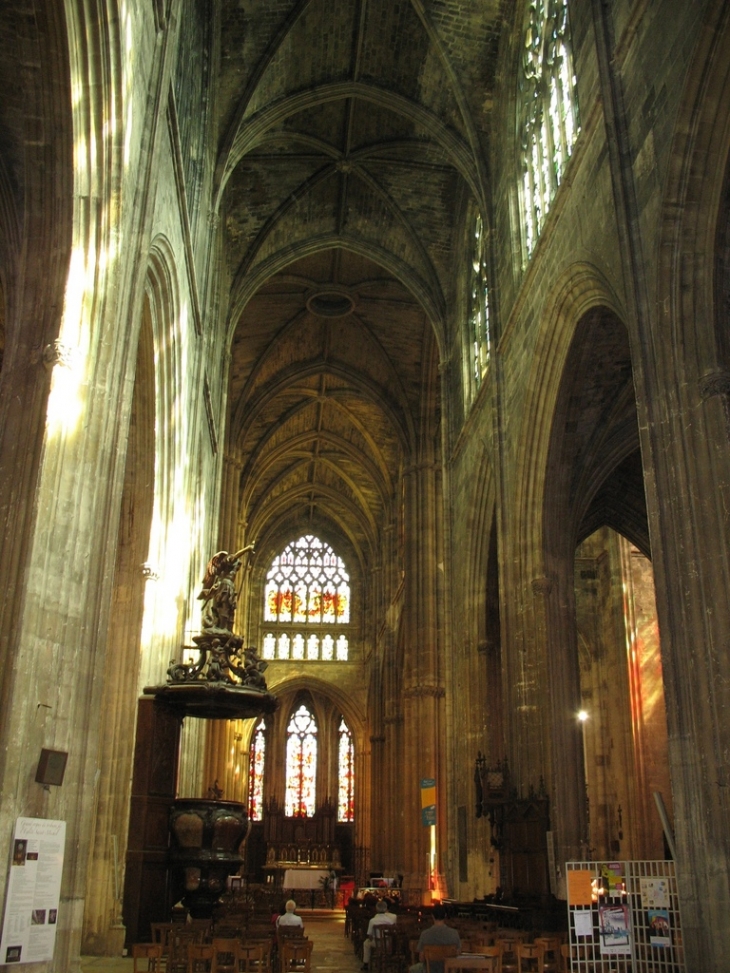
507,953
492,952
266,947
161,933
250,958
286,933
385,952
225,956
551,952
181,939
200,929
200,957
296,955
147,957
565,958
529,958
437,955
459,963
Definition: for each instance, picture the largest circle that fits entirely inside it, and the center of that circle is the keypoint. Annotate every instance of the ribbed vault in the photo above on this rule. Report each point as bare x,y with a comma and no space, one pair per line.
352,137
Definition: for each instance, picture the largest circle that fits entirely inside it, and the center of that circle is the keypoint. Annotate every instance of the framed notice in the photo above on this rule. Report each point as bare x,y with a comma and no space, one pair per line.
33,891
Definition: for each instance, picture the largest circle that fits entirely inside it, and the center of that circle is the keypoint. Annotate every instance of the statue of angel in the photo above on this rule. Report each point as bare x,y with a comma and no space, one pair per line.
219,594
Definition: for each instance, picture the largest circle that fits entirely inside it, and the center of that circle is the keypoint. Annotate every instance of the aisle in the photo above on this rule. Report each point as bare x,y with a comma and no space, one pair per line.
332,953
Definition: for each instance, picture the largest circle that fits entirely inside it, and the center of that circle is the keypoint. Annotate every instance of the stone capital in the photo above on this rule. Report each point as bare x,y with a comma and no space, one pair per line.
420,692
59,353
715,382
148,572
542,586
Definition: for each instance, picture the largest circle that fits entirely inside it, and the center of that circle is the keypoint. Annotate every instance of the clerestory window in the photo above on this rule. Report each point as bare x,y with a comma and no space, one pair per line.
307,604
547,105
479,305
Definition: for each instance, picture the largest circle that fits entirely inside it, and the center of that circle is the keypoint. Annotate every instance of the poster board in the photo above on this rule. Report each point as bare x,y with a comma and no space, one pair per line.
624,916
33,891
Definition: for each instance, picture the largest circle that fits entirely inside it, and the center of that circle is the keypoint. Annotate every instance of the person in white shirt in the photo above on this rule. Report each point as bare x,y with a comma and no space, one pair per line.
289,918
381,917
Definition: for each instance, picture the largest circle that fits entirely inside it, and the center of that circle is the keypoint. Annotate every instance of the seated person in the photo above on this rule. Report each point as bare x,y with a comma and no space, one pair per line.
289,918
381,917
438,935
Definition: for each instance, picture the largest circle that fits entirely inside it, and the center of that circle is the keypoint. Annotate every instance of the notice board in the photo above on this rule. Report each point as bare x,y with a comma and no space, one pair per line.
33,891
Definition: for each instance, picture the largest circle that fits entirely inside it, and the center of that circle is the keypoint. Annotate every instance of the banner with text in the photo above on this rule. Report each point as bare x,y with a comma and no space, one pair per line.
428,801
33,891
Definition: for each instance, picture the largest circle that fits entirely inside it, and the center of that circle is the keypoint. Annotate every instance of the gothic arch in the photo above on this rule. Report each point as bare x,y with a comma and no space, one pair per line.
540,578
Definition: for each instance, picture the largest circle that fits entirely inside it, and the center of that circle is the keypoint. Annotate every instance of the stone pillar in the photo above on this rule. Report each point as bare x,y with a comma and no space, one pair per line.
228,526
691,558
564,773
104,932
423,692
542,695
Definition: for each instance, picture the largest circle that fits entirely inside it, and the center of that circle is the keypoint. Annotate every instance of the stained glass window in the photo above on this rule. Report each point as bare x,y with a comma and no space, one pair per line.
301,764
479,304
307,587
346,796
256,755
548,110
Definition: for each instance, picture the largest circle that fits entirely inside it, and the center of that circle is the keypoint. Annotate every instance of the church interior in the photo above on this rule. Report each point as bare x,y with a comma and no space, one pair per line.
420,307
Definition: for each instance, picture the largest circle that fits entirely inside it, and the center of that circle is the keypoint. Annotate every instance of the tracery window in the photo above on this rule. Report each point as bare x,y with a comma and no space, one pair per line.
307,592
547,110
346,766
301,764
479,304
256,759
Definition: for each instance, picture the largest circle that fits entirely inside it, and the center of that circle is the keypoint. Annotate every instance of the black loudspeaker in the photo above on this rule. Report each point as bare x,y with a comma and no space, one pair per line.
51,767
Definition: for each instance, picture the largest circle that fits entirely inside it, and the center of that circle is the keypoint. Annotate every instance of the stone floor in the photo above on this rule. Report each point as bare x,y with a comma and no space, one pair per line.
332,952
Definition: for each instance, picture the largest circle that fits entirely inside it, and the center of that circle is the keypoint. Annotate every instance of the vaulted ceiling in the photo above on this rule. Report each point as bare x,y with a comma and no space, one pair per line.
353,136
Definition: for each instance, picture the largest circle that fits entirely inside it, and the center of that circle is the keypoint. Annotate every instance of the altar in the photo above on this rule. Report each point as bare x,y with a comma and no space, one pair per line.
320,883
305,878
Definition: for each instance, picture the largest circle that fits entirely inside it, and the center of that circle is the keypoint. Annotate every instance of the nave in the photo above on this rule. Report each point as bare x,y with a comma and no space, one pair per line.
332,953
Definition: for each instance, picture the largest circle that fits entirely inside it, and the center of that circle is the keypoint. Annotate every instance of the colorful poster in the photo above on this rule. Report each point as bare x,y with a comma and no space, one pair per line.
654,893
580,886
614,882
615,930
659,931
33,891
428,801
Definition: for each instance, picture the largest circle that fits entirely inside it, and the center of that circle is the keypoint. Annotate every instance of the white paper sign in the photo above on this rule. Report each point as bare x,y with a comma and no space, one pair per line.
33,891
583,922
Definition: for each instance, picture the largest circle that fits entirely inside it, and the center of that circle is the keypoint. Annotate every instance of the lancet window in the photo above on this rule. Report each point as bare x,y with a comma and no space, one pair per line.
346,766
301,764
548,119
256,760
479,304
307,604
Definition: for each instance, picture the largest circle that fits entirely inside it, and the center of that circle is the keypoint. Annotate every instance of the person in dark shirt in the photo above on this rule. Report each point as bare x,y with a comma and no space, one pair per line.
438,935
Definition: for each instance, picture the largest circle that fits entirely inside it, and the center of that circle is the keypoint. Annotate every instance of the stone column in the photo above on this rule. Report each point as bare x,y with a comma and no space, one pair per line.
423,692
228,526
104,931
